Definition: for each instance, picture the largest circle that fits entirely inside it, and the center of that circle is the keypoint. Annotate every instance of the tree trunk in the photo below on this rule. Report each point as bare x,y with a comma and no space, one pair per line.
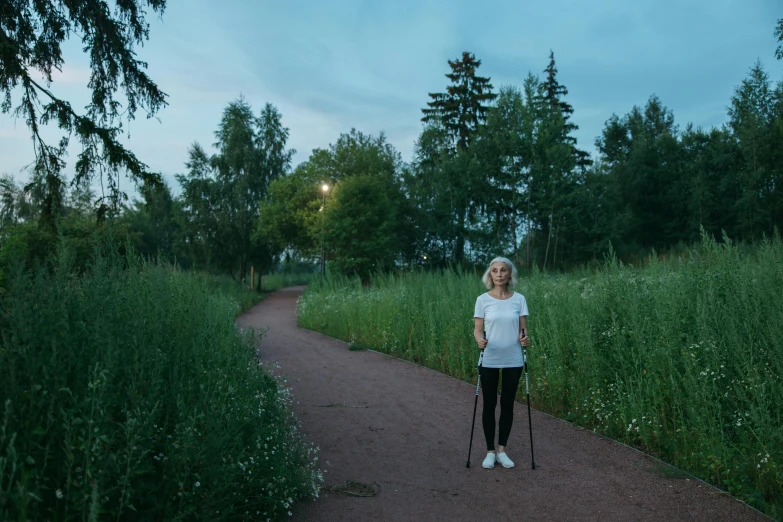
460,247
554,254
528,238
548,238
514,236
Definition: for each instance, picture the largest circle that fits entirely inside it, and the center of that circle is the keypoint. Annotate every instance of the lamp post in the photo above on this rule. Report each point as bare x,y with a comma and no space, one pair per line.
324,189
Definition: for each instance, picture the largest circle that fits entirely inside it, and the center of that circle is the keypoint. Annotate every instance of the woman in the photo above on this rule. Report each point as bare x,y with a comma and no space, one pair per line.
500,326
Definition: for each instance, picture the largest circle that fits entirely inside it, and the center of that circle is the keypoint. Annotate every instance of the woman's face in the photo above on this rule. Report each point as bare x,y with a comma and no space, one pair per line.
499,273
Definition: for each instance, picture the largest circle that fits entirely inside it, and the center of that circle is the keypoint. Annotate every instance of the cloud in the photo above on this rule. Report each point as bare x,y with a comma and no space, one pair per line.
331,66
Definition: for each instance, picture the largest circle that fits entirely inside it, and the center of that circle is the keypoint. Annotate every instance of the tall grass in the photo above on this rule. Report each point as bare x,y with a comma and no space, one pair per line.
681,358
128,394
277,280
244,298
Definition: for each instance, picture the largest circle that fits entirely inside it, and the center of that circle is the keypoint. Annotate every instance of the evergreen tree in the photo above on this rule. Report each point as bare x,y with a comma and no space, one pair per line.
462,108
31,35
459,112
755,121
554,94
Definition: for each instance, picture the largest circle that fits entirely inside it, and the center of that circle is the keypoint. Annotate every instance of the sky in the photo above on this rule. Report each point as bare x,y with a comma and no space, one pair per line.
332,66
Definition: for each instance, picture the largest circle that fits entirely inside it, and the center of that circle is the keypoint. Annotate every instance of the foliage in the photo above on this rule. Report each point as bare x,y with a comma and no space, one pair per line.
244,298
463,107
277,280
458,113
31,34
221,193
360,226
127,393
292,217
680,358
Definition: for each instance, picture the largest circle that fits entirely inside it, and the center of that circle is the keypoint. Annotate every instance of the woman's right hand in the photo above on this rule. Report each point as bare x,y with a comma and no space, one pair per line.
482,343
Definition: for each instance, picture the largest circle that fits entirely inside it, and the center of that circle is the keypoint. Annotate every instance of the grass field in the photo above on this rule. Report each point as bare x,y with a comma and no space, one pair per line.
127,393
681,358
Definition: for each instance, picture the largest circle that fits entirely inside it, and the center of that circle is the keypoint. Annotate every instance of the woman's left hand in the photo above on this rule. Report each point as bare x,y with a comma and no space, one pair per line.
524,339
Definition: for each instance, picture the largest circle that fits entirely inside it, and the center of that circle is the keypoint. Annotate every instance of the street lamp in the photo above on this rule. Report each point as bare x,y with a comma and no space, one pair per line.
324,190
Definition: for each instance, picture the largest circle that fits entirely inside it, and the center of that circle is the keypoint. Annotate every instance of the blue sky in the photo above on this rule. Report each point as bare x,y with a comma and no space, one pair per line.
332,66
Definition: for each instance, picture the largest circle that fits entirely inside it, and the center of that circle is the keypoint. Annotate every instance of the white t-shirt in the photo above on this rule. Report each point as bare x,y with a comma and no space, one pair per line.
501,324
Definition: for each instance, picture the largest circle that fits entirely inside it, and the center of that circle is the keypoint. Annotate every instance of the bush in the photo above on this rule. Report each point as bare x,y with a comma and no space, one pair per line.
128,393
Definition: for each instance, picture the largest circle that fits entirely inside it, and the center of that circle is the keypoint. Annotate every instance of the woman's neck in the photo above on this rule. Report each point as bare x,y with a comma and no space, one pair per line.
500,292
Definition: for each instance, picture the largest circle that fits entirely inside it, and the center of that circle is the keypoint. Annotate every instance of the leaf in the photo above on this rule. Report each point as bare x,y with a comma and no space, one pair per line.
39,431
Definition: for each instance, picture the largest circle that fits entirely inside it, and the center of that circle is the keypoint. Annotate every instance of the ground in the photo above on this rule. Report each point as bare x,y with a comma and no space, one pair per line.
400,433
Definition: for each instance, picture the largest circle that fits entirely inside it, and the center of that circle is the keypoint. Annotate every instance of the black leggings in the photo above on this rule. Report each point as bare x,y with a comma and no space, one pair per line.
489,390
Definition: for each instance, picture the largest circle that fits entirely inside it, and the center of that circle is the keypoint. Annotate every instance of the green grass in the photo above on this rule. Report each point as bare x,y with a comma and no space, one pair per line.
278,280
128,394
681,358
243,297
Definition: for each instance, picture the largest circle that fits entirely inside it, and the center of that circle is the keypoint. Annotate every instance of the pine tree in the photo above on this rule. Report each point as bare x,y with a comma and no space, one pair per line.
554,94
462,108
460,111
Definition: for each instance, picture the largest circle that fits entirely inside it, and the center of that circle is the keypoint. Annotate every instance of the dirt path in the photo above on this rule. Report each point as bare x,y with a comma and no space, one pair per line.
405,428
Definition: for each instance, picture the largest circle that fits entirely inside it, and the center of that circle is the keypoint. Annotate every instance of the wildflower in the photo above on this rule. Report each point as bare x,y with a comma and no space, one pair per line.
59,493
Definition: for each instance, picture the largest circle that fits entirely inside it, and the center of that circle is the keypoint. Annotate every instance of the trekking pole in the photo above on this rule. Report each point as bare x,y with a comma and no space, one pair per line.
475,404
527,392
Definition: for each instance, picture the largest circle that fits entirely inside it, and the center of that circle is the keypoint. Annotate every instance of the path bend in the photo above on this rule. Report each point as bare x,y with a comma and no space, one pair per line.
406,428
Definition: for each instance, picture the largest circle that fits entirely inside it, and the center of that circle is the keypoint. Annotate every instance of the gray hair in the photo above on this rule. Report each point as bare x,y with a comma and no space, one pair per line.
487,280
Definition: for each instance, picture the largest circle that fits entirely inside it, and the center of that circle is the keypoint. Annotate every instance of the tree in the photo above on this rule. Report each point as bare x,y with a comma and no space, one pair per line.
222,192
426,186
755,123
291,216
779,35
361,227
459,112
461,109
711,160
644,158
15,204
503,149
31,34
554,94
153,220
288,214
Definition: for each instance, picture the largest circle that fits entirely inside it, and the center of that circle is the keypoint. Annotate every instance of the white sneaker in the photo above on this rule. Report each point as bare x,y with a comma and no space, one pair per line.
505,461
489,461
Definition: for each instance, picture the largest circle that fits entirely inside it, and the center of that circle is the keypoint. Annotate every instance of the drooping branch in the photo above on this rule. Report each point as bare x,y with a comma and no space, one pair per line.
31,33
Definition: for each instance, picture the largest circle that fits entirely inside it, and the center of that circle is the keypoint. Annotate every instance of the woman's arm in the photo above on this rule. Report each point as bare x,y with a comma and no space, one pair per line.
523,333
478,332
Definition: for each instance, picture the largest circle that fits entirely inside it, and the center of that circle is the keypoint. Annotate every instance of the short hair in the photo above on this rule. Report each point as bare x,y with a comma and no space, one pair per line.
487,280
